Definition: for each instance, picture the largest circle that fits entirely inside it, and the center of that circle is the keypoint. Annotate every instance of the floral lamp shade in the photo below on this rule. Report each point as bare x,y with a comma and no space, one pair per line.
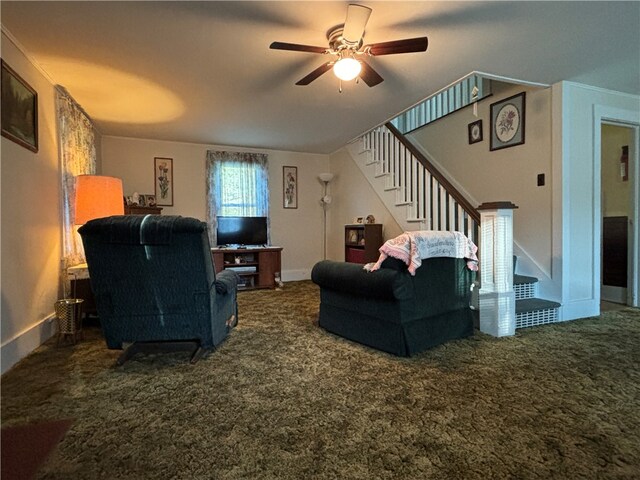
97,197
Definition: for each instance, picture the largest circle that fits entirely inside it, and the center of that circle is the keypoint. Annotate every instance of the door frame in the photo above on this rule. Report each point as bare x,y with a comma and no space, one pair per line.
627,119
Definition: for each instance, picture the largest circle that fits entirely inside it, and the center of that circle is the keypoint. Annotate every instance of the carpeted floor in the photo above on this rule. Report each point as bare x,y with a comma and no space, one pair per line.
283,399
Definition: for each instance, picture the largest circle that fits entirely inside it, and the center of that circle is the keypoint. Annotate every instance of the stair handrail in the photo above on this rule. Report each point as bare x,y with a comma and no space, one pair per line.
435,173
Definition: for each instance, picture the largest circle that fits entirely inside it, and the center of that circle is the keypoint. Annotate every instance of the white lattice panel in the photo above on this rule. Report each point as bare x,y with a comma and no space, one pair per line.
537,317
525,290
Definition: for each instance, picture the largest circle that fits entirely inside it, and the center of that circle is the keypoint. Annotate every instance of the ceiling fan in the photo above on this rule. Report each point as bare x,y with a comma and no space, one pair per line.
346,43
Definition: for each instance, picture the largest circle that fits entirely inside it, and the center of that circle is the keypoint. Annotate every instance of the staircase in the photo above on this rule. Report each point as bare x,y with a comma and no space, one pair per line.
433,203
460,94
532,311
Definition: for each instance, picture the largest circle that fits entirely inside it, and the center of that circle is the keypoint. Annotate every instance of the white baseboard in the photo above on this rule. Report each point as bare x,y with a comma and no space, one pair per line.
613,294
579,309
296,275
14,350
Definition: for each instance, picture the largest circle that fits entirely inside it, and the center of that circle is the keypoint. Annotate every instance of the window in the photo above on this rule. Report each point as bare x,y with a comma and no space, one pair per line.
237,185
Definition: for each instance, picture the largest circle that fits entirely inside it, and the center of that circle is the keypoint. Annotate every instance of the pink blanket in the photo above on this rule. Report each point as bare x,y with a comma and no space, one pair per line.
413,247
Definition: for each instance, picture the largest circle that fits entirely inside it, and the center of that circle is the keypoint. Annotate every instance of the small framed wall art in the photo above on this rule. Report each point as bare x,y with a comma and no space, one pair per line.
19,109
507,122
163,175
475,132
290,187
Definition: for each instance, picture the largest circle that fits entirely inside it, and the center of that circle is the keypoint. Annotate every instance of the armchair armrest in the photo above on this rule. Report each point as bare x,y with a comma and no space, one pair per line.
351,278
226,281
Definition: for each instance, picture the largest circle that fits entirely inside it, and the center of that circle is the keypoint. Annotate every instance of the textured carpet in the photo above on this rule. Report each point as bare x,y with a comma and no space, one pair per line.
283,399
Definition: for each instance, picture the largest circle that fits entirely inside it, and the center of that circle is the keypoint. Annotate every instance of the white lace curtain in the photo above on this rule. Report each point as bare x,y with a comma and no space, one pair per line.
76,138
237,185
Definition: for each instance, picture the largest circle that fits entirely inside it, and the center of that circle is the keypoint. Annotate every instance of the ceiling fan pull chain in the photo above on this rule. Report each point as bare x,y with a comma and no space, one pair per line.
340,86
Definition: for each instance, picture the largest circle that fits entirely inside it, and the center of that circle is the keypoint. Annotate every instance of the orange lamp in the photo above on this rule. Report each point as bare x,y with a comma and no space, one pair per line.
96,197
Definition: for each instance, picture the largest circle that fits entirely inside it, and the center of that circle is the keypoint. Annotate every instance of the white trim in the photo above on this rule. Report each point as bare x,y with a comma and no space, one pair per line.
211,145
613,294
583,86
28,56
503,79
296,275
580,309
558,168
625,118
25,342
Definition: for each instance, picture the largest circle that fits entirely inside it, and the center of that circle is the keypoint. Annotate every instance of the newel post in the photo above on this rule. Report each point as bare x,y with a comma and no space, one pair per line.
497,298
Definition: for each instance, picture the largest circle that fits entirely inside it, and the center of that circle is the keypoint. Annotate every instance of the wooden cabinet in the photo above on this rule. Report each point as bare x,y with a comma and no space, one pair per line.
136,210
361,242
257,267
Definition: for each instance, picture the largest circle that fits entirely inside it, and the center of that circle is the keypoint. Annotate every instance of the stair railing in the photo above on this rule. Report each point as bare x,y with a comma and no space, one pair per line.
430,198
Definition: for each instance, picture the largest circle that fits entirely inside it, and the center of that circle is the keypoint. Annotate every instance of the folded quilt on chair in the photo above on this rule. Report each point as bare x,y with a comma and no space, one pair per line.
413,247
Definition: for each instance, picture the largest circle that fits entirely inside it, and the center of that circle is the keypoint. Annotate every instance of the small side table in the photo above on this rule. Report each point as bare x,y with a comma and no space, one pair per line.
69,313
80,283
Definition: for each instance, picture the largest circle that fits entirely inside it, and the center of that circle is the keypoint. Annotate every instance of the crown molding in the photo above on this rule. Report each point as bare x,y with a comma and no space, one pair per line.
28,56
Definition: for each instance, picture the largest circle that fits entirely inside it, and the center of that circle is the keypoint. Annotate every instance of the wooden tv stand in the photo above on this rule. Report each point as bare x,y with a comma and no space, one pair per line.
257,266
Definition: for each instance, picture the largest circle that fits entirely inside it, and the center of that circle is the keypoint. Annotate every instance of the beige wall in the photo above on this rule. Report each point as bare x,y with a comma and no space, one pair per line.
31,233
298,231
352,196
616,194
509,174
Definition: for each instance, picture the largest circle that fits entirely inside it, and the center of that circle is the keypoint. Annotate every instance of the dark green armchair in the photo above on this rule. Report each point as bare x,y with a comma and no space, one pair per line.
391,310
155,283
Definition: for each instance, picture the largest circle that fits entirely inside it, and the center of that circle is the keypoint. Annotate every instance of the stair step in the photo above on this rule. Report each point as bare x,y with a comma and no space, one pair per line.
416,220
381,174
389,189
532,312
520,279
533,304
402,204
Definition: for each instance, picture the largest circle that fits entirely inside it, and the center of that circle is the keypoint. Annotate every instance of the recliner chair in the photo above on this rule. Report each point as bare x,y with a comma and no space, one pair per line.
155,284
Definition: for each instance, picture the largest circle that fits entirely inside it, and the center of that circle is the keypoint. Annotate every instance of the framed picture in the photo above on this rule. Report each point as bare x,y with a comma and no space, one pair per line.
142,200
507,122
358,220
475,132
151,200
163,175
19,109
290,186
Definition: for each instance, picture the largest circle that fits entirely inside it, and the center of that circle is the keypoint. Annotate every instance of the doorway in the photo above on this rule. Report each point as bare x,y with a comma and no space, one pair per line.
618,212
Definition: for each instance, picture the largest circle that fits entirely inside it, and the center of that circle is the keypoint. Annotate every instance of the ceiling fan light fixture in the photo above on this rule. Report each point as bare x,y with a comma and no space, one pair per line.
347,68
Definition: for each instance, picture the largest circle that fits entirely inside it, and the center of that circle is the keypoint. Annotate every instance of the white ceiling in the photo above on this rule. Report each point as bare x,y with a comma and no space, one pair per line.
203,71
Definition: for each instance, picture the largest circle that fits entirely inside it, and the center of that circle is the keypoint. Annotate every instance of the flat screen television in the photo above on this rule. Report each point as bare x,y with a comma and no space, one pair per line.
242,231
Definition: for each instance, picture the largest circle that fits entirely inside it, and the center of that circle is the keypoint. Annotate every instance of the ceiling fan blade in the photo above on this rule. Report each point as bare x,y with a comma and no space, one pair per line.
315,74
408,45
357,18
296,47
369,75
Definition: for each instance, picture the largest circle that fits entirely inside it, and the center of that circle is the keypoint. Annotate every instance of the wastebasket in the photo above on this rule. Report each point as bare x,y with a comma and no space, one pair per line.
69,313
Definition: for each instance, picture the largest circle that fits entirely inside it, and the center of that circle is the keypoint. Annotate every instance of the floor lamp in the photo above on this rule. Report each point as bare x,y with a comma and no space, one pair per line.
325,201
97,196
